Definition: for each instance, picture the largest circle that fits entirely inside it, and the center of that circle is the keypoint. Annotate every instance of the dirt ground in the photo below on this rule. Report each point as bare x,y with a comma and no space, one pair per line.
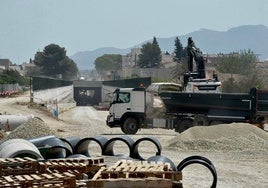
242,168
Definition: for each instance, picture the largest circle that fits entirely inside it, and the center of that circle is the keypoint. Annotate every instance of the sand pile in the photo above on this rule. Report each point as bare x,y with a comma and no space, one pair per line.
225,137
31,129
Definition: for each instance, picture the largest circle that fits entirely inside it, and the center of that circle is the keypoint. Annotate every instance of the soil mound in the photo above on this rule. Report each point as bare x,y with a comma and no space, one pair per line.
224,137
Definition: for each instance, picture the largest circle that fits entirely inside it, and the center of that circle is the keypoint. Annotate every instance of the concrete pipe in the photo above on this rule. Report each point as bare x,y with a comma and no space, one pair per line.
82,147
10,122
71,142
193,158
39,141
162,159
56,148
19,148
200,160
109,146
135,150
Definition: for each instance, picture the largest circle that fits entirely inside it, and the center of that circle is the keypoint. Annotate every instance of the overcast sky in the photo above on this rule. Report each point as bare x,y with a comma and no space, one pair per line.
27,26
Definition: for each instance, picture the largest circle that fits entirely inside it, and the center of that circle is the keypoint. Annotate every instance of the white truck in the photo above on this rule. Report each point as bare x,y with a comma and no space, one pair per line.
131,109
135,108
127,109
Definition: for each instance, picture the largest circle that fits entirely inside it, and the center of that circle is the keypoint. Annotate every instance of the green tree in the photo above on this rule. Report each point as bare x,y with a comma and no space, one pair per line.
13,77
150,55
108,62
242,63
53,62
179,51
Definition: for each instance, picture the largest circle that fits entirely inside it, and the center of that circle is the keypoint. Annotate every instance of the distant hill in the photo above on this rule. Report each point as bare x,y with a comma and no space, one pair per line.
253,37
85,60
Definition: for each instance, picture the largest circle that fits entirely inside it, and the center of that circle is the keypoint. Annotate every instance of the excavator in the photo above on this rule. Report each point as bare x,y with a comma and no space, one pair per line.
194,53
196,80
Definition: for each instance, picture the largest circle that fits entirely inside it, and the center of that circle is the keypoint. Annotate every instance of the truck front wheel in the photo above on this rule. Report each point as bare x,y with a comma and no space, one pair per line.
183,125
130,126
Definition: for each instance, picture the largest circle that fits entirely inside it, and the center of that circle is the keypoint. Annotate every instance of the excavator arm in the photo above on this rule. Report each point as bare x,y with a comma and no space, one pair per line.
194,54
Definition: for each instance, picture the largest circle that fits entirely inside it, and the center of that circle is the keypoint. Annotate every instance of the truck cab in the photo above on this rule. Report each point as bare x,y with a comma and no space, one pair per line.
127,109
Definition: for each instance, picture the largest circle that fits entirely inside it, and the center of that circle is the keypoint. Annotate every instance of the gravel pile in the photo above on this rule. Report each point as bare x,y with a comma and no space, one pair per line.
225,137
31,129
3,134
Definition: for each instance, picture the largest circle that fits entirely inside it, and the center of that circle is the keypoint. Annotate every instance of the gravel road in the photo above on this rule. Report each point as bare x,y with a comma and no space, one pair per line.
235,168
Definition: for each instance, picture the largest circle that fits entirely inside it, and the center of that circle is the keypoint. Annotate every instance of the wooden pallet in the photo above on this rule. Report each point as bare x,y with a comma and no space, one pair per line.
130,183
126,173
87,161
139,169
90,172
22,166
75,166
64,180
18,166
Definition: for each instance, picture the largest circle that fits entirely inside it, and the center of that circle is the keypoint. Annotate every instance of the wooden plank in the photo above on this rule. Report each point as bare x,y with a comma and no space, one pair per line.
36,177
58,175
28,177
11,160
30,159
20,178
2,160
47,176
68,174
8,179
97,175
42,167
130,183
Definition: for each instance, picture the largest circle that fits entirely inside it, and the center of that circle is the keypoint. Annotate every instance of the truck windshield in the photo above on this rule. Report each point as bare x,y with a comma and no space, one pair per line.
123,97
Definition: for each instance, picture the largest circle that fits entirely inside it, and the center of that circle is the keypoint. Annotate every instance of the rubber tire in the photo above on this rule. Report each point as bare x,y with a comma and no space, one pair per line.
130,126
123,129
200,120
184,124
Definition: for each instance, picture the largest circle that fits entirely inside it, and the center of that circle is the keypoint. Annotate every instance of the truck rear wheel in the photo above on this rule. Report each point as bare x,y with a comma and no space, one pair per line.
130,126
183,125
200,120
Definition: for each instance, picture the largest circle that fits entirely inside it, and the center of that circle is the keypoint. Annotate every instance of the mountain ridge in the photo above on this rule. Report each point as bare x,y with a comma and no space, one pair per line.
253,37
